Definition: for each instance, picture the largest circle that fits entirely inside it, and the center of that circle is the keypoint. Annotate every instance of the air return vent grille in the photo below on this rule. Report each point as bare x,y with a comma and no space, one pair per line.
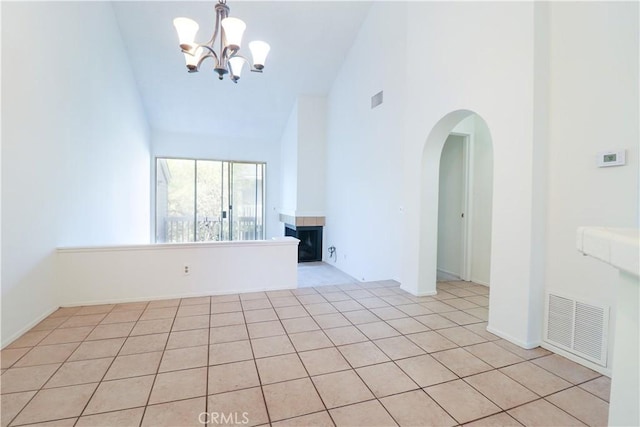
560,328
577,327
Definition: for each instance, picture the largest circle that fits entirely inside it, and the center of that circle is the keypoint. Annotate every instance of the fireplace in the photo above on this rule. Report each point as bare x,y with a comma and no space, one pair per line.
310,246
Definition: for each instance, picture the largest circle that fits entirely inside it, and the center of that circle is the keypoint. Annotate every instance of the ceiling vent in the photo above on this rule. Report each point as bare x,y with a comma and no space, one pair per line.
577,327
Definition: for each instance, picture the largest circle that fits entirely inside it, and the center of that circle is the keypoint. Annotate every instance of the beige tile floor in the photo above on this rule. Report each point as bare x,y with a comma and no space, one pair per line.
352,354
321,274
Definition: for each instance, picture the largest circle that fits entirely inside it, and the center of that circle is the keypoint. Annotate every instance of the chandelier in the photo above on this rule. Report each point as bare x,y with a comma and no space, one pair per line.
227,59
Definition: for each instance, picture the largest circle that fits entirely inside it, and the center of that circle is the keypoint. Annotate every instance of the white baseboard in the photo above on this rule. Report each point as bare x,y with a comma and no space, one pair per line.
163,297
519,343
601,369
447,276
480,282
419,294
425,294
12,338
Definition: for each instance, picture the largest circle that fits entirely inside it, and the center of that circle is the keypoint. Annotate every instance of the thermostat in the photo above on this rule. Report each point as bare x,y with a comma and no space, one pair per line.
611,158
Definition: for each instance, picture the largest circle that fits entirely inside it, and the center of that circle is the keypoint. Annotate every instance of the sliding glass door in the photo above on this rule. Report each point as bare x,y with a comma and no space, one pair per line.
209,200
246,201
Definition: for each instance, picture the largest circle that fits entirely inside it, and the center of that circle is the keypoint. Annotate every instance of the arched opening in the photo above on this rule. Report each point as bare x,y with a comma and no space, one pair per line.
465,203
475,202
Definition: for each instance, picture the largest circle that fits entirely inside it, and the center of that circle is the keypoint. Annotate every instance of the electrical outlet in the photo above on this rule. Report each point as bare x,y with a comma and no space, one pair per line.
187,269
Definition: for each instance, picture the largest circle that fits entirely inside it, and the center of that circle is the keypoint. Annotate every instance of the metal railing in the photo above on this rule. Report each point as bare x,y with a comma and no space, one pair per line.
182,229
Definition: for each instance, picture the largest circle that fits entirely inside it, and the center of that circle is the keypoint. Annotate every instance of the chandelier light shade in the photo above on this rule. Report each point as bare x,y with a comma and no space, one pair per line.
259,51
233,30
227,37
192,60
187,30
236,64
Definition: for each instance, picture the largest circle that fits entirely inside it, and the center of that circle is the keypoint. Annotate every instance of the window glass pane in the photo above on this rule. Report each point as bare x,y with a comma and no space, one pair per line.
246,187
226,213
175,200
259,201
209,198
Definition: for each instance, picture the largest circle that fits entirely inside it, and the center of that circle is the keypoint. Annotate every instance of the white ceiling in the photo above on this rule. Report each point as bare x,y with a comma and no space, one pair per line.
309,41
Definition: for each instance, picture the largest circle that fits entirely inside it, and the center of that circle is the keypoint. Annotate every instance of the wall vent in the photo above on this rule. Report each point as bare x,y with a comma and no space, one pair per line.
376,100
577,327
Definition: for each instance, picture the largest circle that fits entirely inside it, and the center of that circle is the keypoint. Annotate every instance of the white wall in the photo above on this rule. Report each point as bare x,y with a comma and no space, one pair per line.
312,125
147,272
364,149
482,209
467,63
289,164
451,205
303,158
193,146
454,56
553,90
383,164
75,151
593,107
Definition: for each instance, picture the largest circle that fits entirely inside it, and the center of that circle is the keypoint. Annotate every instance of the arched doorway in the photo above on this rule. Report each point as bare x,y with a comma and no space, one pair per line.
465,203
475,132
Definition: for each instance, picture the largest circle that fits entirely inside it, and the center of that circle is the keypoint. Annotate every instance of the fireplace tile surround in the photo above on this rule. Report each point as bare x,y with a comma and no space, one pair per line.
303,221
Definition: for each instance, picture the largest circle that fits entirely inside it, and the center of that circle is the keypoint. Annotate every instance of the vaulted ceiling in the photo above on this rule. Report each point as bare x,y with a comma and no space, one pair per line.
309,41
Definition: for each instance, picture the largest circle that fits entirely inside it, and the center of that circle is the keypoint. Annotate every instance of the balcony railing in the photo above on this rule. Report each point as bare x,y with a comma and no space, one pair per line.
183,229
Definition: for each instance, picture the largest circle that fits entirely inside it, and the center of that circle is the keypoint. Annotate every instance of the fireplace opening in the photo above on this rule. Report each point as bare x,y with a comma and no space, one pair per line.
310,246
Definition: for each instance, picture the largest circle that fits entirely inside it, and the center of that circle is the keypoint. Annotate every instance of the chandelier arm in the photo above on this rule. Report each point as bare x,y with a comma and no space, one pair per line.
229,53
252,68
203,58
223,48
211,52
215,29
226,52
222,11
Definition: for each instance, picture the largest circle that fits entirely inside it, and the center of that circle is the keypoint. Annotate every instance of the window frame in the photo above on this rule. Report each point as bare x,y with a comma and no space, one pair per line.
154,202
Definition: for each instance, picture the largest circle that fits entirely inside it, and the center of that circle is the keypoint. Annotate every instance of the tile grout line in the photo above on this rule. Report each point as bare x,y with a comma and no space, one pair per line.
255,365
334,346
153,383
357,374
206,389
420,388
498,369
401,334
593,394
460,378
394,361
58,369
109,367
562,409
296,352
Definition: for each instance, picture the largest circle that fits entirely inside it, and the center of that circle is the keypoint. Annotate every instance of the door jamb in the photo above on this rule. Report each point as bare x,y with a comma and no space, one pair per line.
467,204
